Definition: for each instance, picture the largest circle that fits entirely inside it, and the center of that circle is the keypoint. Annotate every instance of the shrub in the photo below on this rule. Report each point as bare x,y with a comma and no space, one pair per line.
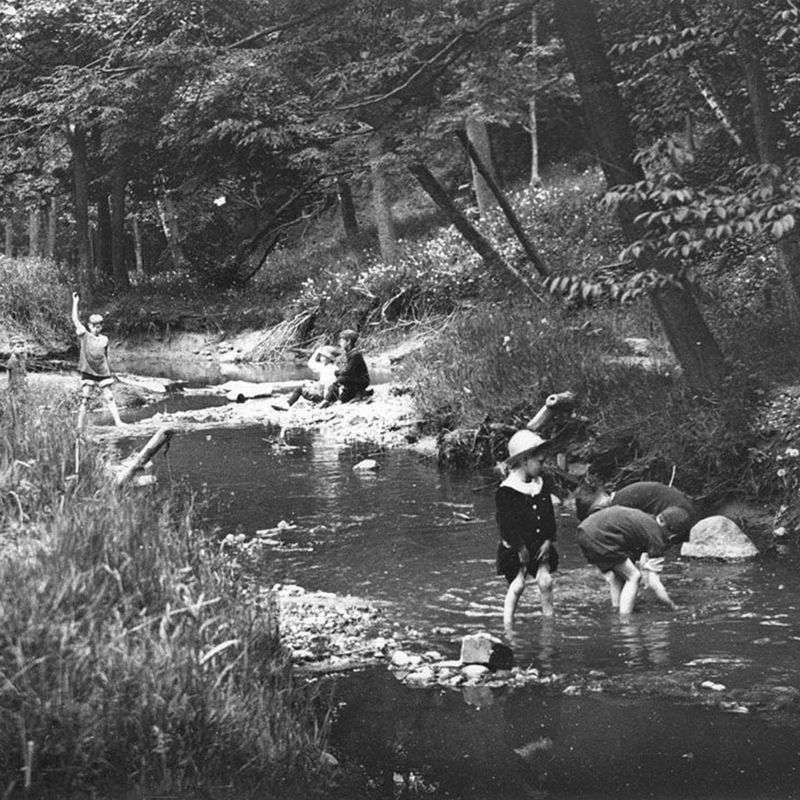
35,299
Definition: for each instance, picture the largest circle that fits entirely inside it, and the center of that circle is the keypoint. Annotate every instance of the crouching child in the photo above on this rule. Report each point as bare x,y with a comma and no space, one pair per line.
625,544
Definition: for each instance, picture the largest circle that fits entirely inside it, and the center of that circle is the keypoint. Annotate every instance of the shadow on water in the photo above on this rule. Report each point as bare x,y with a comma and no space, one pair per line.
537,744
423,542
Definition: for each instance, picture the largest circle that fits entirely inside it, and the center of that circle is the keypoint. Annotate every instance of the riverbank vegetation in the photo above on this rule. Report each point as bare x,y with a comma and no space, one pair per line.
131,653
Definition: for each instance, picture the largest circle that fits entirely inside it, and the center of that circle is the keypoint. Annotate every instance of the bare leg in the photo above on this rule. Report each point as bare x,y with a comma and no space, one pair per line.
615,585
512,598
85,393
627,597
545,581
108,396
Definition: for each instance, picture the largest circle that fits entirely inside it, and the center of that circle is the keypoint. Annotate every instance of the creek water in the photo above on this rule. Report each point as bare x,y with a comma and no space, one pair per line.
422,541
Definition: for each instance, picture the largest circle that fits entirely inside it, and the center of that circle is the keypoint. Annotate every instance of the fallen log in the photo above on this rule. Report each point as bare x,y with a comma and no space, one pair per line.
160,438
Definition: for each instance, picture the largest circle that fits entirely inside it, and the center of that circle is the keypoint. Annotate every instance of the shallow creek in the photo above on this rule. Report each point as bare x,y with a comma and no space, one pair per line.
629,715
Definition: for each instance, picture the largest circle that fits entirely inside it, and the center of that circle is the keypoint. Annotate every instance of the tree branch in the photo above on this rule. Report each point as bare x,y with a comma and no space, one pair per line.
466,35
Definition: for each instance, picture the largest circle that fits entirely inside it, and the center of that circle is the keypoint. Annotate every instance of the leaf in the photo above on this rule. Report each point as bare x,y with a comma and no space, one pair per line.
216,650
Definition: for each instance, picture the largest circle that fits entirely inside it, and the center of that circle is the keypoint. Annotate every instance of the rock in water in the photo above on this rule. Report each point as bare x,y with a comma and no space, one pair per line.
483,648
367,464
718,537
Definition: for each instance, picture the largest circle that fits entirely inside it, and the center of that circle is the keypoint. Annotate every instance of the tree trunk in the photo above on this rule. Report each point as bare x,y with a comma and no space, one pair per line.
348,211
103,252
169,224
533,254
118,181
710,97
52,227
478,135
35,232
690,338
535,179
768,130
381,204
475,238
8,245
137,245
80,178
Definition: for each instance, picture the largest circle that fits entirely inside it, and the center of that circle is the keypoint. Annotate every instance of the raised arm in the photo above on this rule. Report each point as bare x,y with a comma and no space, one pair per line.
76,321
315,363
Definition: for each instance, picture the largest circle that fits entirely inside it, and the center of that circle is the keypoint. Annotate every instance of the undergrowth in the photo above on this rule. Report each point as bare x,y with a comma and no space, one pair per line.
131,654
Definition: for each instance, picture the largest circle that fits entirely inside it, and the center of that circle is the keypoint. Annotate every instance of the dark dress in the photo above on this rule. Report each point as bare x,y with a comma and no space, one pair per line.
524,519
611,535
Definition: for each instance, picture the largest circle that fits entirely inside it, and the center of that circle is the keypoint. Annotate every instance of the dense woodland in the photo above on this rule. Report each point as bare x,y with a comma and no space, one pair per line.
139,138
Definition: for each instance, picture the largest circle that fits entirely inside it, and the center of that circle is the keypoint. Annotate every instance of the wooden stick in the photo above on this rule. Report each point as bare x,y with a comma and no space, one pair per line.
157,441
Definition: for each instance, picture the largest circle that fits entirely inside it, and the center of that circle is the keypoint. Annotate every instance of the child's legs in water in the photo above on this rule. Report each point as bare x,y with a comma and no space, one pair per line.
513,593
615,584
627,573
544,580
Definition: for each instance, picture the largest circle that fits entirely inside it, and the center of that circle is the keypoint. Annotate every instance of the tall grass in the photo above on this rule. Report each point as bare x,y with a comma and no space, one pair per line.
34,300
130,653
503,360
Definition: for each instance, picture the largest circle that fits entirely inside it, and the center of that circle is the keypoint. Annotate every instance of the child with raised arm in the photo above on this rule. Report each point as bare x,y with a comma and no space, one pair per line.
93,363
527,524
625,545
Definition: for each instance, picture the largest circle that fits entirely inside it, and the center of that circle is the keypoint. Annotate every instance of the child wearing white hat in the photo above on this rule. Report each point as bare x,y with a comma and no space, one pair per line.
527,523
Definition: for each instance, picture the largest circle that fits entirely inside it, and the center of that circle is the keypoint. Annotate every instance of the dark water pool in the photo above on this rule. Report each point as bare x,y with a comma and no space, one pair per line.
423,541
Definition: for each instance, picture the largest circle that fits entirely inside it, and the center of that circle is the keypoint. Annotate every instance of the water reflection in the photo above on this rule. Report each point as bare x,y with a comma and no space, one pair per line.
391,535
643,643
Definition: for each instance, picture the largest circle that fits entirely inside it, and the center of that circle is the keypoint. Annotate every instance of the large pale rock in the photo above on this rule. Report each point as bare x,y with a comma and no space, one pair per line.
718,537
483,648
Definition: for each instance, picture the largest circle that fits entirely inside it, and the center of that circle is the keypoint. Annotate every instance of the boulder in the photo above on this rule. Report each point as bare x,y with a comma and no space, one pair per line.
485,649
367,465
718,537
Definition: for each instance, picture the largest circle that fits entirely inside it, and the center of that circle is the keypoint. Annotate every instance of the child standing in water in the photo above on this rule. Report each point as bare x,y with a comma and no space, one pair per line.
527,524
93,363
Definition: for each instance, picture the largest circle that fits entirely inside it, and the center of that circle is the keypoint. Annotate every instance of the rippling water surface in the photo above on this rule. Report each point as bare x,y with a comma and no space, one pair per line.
423,541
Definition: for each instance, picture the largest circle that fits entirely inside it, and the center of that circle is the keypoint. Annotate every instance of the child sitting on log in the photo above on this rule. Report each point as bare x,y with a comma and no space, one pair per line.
323,364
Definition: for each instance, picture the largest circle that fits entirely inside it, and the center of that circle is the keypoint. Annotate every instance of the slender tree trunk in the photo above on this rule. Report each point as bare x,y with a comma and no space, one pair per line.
768,131
688,127
535,179
80,178
137,245
530,250
103,252
478,134
705,89
474,238
381,203
690,338
169,223
8,247
348,211
52,227
118,181
35,232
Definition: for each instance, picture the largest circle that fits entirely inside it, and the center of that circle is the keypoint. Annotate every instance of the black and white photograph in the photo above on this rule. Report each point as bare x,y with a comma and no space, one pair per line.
399,400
